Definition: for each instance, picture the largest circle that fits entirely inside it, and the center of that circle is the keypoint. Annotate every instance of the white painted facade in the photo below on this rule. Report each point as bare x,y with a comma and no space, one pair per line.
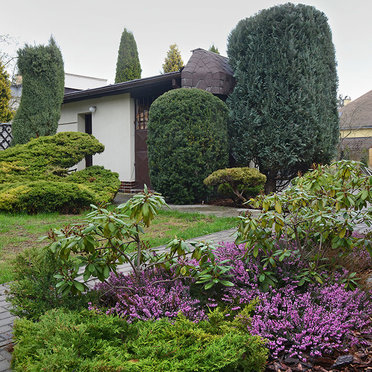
112,125
75,81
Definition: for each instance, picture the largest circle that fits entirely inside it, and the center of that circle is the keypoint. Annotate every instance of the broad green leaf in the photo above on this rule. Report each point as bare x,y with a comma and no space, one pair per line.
278,207
79,286
227,283
209,285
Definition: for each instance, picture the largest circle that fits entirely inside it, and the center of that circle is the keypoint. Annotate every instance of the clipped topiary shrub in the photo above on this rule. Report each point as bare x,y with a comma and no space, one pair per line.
187,141
34,177
86,341
240,182
46,196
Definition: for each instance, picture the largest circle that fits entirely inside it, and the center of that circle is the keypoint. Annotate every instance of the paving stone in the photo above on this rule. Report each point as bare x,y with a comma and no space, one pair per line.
4,366
5,355
6,314
6,342
5,329
6,322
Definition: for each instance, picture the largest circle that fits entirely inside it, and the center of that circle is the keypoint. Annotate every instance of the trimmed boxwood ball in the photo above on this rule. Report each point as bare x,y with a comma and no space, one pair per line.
187,141
237,182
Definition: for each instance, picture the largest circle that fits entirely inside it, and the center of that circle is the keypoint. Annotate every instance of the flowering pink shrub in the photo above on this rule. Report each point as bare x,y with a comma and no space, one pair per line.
143,299
296,322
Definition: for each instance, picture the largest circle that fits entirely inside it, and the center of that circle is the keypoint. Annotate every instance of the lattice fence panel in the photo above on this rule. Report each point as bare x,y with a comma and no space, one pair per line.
5,136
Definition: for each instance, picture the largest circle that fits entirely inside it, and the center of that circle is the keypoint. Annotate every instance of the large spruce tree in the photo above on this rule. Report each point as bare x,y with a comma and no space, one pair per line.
43,80
128,65
173,61
6,114
283,111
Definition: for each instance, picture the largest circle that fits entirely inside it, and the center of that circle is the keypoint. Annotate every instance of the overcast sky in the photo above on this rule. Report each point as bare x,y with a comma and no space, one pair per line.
88,31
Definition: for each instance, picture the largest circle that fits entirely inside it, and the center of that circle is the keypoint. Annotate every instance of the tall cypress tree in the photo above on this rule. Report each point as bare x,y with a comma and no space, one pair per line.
128,66
173,62
284,106
6,114
43,81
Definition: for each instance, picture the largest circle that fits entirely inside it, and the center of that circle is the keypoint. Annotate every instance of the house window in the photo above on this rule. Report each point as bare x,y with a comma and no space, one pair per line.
142,112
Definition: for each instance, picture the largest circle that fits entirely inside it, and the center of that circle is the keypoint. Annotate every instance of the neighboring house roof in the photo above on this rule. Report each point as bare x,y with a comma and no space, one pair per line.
205,70
208,71
136,87
79,82
357,114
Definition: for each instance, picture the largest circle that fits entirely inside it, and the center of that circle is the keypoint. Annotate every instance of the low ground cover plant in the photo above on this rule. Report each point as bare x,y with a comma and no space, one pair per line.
303,322
35,177
87,341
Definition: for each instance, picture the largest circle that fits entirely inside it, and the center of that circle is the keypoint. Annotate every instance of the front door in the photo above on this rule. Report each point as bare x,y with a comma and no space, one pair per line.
141,158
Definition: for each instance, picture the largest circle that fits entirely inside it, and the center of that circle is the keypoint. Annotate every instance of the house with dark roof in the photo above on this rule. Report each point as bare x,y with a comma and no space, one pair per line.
117,114
356,129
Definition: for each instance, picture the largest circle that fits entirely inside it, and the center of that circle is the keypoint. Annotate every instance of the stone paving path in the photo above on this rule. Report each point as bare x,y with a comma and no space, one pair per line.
6,319
6,324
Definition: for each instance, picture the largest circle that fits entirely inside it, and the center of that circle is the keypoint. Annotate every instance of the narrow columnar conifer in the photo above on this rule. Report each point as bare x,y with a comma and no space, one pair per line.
283,111
43,81
128,66
6,114
173,62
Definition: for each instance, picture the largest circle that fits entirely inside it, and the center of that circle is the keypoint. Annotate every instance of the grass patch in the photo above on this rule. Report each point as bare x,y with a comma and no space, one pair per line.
21,231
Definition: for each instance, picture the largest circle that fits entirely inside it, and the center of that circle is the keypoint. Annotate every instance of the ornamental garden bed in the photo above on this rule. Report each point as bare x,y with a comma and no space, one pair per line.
289,295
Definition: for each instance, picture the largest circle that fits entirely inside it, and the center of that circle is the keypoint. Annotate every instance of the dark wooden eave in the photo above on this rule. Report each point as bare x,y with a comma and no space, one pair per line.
151,86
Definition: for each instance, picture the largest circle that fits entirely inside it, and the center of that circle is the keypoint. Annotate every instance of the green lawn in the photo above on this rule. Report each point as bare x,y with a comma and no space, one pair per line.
21,231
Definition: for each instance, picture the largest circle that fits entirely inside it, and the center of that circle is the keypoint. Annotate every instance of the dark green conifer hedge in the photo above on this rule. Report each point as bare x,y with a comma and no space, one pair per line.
284,106
43,81
187,141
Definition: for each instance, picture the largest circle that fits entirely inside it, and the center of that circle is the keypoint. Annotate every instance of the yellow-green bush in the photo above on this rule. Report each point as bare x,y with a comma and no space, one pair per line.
240,182
34,177
86,341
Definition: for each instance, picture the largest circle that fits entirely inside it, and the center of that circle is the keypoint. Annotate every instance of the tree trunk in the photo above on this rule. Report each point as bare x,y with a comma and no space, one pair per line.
270,185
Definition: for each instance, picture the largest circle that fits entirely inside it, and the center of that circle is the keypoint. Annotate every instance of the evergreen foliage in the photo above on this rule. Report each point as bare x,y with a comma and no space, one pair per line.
284,106
238,181
173,62
87,341
33,290
6,114
128,66
214,49
34,177
43,83
187,141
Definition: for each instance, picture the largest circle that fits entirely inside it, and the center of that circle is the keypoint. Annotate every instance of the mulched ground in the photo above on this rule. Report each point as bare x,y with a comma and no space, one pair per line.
358,361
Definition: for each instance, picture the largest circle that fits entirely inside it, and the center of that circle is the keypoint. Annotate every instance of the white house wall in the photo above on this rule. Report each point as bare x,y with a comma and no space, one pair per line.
112,125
